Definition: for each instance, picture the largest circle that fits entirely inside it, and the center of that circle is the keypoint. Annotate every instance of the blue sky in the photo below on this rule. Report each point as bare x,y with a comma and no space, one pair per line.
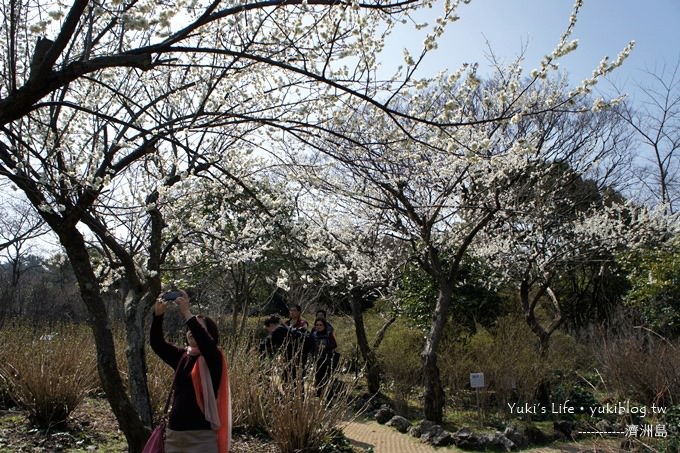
604,28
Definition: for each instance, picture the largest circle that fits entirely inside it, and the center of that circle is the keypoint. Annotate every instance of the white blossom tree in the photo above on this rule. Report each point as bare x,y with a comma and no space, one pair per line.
434,186
352,255
98,96
238,229
557,223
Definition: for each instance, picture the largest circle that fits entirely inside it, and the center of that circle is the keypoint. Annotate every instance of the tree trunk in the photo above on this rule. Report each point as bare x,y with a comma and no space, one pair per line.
529,305
136,355
244,315
107,366
434,398
373,372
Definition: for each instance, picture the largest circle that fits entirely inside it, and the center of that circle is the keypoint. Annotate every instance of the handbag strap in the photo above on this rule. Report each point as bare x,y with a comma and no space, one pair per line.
166,409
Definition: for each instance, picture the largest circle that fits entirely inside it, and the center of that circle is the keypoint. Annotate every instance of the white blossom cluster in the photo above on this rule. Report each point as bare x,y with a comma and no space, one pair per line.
266,126
105,143
485,168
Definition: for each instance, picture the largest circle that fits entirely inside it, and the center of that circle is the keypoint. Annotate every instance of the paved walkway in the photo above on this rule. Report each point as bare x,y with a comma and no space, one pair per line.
384,439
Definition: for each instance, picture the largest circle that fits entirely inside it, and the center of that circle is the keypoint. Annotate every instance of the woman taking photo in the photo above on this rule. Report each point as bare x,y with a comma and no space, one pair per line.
200,418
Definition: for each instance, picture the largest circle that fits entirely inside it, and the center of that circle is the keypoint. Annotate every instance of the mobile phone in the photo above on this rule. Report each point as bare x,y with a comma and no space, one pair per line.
171,295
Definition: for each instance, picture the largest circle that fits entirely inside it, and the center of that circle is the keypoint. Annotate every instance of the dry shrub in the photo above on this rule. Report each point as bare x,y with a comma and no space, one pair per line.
244,375
158,377
637,364
297,417
509,358
288,409
159,381
262,401
6,399
120,343
246,379
48,375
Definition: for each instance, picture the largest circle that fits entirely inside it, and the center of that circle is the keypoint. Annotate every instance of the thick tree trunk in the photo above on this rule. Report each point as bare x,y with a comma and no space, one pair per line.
107,366
434,398
373,373
136,355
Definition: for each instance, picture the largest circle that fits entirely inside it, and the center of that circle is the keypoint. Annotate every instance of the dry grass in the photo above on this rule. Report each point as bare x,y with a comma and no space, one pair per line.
48,375
300,417
49,379
294,414
399,358
512,366
642,366
247,384
159,380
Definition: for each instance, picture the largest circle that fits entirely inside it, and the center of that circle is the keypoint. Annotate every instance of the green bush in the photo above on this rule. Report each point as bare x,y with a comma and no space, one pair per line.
399,357
48,375
512,366
654,275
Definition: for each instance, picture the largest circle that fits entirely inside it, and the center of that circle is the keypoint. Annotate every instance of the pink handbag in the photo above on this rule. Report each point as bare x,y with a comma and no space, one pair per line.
156,443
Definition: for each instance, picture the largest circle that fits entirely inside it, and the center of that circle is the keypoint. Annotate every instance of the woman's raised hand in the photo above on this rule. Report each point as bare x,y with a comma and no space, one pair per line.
160,306
183,303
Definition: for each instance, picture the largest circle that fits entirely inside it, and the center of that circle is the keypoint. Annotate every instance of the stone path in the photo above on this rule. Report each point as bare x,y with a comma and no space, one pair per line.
384,439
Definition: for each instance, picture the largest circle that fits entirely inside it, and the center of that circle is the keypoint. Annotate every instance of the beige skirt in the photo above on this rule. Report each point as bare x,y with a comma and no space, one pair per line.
192,441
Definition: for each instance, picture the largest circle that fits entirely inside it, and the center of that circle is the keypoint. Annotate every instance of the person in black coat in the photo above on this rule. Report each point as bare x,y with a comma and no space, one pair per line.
288,345
277,338
326,354
191,426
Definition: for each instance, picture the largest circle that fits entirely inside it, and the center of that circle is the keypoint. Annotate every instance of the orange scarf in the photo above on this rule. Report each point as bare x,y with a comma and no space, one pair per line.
216,410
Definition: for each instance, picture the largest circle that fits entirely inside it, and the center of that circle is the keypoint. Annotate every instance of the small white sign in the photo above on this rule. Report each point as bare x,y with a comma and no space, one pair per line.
476,380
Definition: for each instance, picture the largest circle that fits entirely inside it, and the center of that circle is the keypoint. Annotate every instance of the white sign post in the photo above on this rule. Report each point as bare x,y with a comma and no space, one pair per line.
477,382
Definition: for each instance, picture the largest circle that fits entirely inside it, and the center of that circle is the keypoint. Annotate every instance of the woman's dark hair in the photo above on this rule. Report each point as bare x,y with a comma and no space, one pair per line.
273,319
322,321
297,307
321,311
210,326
